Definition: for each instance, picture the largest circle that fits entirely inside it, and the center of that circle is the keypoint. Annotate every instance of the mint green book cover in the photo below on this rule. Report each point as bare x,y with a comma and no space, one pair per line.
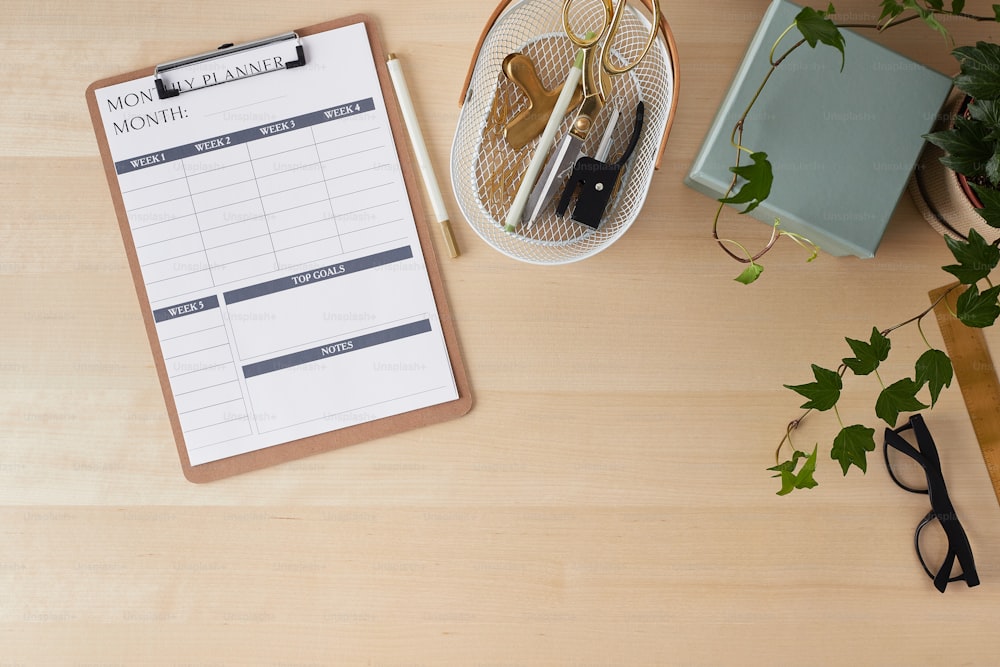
842,144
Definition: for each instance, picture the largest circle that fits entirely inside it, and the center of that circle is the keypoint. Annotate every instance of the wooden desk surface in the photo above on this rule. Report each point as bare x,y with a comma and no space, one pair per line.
604,503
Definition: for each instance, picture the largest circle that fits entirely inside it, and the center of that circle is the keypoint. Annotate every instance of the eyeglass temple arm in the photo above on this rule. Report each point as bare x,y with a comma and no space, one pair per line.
958,546
899,443
925,441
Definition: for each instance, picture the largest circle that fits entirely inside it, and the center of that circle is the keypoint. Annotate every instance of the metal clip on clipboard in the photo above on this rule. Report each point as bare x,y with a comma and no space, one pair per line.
164,91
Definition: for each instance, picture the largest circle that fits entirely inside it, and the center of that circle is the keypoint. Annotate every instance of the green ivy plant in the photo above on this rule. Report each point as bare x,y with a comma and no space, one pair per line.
751,182
973,150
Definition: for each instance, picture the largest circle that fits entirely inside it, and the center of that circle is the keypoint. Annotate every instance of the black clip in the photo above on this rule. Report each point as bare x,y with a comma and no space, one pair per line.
164,91
597,181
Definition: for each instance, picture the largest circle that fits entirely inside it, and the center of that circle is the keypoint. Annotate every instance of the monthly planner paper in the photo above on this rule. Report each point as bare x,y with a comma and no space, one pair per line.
278,249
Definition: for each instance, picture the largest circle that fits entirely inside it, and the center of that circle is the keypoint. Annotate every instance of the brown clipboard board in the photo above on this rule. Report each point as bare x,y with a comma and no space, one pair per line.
343,437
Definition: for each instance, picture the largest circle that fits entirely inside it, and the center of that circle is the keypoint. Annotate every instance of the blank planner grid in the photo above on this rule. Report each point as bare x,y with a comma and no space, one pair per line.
277,202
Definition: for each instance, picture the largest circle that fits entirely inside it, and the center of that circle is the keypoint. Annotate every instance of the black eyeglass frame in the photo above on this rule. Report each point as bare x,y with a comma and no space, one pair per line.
941,507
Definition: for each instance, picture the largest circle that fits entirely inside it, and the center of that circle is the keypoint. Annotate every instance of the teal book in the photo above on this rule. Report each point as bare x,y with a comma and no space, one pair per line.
842,143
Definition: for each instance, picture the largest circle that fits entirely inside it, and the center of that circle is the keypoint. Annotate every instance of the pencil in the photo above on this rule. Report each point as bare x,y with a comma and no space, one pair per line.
420,149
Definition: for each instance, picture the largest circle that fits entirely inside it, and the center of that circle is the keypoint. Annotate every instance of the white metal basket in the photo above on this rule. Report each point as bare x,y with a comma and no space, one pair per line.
486,171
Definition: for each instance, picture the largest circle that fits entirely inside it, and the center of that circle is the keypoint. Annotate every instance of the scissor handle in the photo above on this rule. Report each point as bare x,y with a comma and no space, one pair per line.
587,42
609,27
668,43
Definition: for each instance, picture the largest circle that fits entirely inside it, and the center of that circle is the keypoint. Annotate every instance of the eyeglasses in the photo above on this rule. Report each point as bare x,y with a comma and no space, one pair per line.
926,456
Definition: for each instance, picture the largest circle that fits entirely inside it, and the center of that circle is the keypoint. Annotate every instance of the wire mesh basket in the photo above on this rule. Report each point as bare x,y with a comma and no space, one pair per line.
486,170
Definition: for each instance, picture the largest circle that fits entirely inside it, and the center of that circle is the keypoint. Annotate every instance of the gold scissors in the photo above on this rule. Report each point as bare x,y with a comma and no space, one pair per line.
596,89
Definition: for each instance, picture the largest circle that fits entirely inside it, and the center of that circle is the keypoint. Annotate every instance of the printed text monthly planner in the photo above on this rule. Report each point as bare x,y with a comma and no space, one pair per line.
277,247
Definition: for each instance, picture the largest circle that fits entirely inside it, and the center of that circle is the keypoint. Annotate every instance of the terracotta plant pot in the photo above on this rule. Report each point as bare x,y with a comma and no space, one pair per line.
943,197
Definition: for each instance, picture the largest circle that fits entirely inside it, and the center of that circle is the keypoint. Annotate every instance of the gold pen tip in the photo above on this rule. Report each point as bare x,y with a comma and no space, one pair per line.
392,56
449,238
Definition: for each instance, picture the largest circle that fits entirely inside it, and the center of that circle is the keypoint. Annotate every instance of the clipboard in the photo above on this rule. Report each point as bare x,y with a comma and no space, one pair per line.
361,340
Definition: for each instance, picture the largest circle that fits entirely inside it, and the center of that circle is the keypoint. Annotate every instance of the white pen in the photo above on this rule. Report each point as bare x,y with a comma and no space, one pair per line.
420,149
545,143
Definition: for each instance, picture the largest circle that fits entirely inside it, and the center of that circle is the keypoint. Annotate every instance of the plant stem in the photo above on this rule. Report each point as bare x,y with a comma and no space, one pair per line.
774,47
804,243
794,424
886,332
920,328
963,15
738,129
881,28
913,17
750,258
736,139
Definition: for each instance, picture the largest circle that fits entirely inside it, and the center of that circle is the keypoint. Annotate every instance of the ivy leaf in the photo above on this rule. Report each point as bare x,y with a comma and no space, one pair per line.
789,465
898,397
986,111
750,274
824,393
990,212
993,165
980,70
978,310
758,176
867,356
788,480
976,258
931,20
967,146
934,369
804,479
816,27
996,12
957,6
850,447
890,10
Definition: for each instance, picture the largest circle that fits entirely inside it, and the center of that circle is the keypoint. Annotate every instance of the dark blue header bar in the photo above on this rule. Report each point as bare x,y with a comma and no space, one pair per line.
317,275
187,308
337,348
245,136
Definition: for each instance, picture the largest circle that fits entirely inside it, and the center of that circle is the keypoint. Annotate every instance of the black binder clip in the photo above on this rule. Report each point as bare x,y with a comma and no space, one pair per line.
251,69
597,181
